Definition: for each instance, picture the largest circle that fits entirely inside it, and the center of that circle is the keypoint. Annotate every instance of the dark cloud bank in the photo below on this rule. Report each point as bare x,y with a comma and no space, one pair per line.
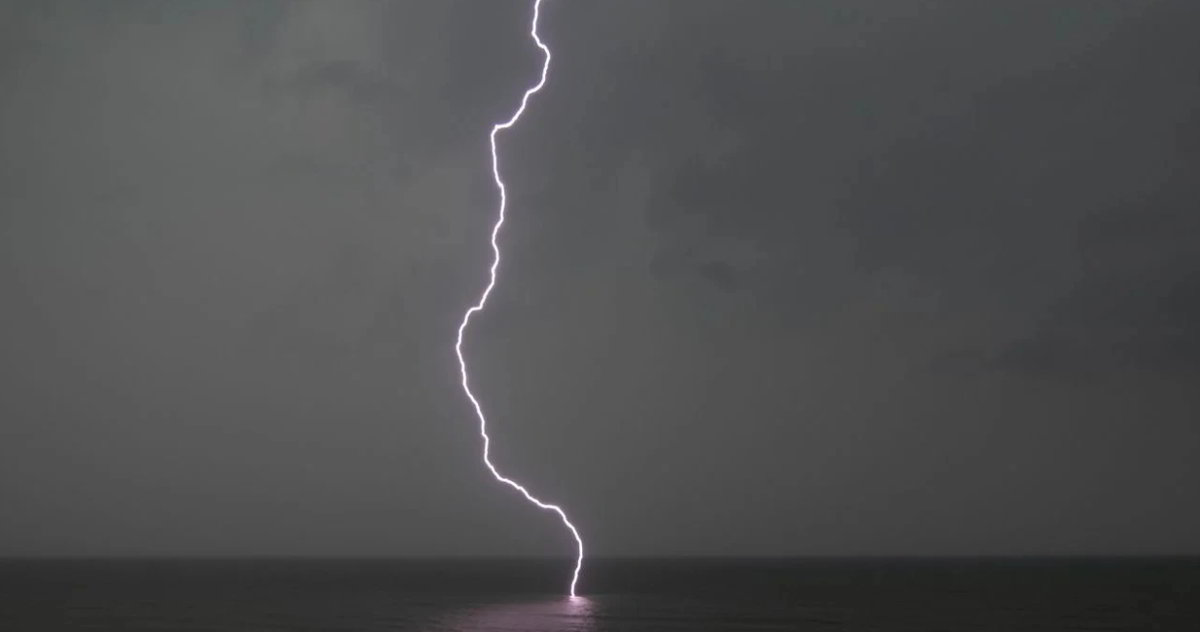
782,278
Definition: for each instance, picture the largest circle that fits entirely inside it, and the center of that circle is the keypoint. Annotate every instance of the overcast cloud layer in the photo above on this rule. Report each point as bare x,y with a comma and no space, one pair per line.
831,277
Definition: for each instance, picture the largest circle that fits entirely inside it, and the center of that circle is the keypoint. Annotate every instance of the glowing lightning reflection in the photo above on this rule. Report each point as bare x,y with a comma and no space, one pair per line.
462,363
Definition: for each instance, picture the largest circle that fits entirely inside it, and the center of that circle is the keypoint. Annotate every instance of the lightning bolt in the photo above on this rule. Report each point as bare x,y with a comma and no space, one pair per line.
466,319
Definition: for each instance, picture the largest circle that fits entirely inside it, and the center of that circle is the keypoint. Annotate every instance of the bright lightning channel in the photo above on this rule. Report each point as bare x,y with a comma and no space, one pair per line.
462,328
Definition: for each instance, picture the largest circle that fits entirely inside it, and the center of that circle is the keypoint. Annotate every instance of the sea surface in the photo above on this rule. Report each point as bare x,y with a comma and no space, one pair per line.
633,595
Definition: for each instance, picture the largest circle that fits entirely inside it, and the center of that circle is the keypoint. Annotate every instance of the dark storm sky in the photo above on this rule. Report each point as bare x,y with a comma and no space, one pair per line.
822,277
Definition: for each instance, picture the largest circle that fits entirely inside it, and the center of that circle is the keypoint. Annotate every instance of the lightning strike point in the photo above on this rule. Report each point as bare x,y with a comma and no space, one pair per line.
466,319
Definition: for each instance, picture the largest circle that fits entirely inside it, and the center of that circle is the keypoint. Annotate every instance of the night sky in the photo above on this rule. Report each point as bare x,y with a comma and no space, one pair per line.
830,277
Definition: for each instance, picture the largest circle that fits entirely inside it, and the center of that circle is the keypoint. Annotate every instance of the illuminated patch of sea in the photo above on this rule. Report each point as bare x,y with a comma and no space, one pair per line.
633,595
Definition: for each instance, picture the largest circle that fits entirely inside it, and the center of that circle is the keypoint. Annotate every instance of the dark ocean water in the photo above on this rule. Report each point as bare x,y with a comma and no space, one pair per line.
628,595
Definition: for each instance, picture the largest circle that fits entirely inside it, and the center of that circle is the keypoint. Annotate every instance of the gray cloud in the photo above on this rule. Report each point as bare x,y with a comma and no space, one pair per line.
826,277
